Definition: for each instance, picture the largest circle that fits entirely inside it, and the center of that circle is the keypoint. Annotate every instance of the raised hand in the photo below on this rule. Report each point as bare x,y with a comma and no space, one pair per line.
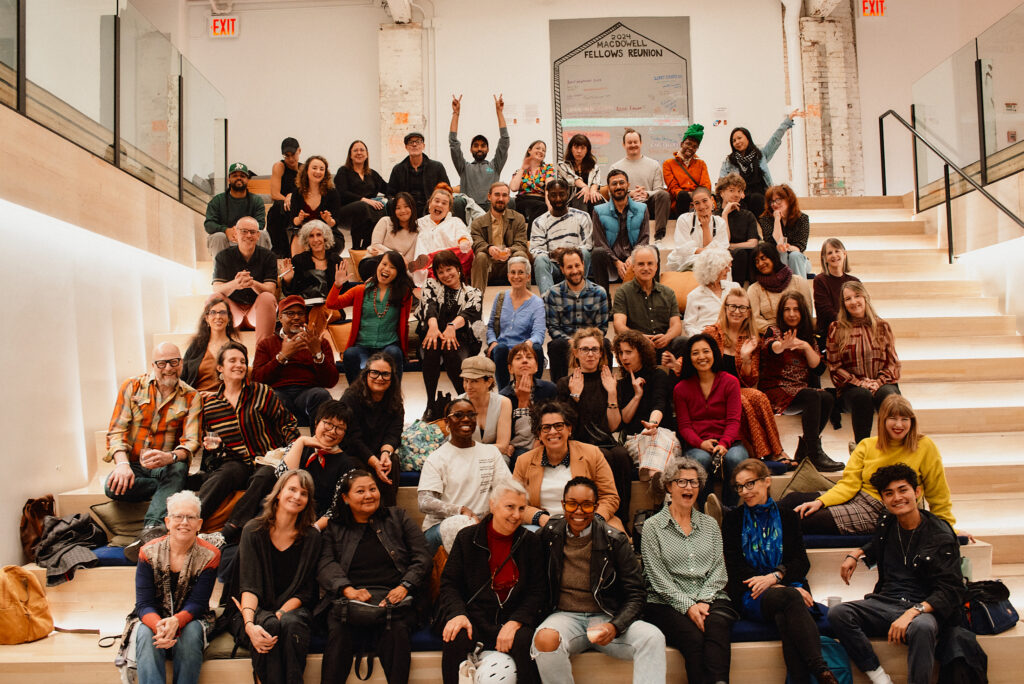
456,105
499,103
576,381
638,384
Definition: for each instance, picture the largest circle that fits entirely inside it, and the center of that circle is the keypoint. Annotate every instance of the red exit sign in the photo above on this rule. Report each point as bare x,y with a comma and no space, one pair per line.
223,26
873,8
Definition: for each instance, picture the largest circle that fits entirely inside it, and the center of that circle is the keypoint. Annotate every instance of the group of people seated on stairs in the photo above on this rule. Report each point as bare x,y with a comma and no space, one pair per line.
531,490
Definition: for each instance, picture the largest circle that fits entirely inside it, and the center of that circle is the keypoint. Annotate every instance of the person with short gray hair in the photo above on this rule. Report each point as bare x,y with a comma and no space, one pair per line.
686,576
517,316
173,623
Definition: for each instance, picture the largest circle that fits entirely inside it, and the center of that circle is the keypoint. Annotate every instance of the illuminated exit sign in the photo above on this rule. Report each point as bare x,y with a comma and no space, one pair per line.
223,26
873,8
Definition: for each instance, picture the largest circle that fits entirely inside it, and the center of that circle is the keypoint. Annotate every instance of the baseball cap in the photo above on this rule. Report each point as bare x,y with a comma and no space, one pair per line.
289,145
238,166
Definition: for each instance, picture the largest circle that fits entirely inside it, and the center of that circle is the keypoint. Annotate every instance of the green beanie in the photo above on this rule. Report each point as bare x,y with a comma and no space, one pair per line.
695,131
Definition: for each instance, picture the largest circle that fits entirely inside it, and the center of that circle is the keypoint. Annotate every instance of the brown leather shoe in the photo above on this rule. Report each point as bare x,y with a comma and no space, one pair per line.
827,677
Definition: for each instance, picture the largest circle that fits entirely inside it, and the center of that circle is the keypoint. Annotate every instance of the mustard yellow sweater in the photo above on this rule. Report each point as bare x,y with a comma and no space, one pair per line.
867,458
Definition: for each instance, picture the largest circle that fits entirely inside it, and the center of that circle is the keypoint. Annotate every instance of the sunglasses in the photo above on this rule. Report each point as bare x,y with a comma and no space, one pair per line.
572,506
173,363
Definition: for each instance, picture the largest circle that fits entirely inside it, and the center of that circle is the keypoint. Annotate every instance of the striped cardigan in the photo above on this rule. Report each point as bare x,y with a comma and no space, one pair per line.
258,424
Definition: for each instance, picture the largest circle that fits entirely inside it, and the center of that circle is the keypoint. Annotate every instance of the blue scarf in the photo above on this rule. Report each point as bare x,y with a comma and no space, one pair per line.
762,536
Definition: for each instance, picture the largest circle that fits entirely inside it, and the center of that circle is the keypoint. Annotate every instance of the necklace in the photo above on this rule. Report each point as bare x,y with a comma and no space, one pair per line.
380,314
905,550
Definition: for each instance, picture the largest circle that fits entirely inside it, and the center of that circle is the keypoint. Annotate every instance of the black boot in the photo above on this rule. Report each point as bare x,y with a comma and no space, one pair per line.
801,450
428,413
821,461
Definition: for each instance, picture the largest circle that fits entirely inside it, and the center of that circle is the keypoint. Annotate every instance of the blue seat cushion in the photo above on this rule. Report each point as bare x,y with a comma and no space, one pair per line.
111,556
425,640
410,478
751,630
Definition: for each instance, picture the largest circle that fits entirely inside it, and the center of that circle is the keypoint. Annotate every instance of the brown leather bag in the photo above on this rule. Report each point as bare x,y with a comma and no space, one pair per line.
32,516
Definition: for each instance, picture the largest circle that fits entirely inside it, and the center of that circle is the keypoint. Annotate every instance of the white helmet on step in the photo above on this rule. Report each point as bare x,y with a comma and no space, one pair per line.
496,668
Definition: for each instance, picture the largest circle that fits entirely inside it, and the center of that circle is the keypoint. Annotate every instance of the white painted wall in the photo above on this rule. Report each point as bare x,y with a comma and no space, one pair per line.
482,47
896,50
83,329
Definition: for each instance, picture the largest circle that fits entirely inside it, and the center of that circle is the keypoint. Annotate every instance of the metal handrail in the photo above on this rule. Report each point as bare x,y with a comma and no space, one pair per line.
948,165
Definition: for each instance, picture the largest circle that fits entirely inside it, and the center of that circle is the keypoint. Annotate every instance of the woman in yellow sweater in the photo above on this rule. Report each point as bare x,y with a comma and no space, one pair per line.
852,506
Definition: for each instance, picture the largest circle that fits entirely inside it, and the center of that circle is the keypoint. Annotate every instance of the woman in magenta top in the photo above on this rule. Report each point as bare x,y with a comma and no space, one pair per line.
708,409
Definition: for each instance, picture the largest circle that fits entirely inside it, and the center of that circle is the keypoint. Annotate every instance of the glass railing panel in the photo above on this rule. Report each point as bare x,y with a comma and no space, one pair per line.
9,52
946,112
203,114
69,66
150,67
1002,66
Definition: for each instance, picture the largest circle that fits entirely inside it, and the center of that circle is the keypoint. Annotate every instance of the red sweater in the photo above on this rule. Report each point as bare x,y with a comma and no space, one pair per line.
300,371
354,298
717,417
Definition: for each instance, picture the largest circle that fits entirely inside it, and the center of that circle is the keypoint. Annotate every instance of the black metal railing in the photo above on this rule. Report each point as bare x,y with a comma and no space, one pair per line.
947,165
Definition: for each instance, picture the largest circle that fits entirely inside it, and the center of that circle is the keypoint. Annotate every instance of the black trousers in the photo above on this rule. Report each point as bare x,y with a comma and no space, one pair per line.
285,662
431,363
683,200
819,522
251,503
530,206
743,265
360,217
455,651
622,470
801,645
753,202
862,405
391,646
707,654
217,485
814,407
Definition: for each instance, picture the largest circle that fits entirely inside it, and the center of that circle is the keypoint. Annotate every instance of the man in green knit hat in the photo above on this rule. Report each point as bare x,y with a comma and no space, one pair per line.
685,171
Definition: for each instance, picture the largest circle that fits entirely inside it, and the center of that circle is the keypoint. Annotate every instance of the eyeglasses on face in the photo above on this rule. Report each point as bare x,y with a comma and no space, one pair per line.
463,415
163,363
683,483
588,350
179,517
737,308
294,313
552,427
217,313
746,486
571,506
383,375
248,231
332,427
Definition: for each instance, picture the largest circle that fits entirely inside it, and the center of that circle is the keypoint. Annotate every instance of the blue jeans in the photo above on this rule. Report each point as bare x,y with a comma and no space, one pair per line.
545,270
153,485
733,457
187,654
500,358
642,642
433,537
798,263
355,358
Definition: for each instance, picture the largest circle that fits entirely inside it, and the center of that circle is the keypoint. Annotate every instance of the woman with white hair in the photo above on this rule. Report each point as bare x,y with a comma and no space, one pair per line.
517,316
686,577
492,588
312,271
173,583
711,268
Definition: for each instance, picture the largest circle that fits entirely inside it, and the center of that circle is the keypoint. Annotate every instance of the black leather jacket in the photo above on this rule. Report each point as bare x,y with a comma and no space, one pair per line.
401,537
616,580
936,564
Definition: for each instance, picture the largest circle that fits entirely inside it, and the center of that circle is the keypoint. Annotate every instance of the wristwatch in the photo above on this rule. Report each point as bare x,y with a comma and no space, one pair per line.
919,607
319,358
283,360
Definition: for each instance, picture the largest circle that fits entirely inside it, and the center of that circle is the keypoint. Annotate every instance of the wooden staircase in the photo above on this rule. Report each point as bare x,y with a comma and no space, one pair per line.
963,370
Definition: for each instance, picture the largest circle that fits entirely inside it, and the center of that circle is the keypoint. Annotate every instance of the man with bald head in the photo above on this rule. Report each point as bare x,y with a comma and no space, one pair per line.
153,433
246,274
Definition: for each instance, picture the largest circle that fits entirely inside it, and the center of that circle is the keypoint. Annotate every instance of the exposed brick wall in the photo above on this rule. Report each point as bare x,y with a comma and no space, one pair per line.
832,98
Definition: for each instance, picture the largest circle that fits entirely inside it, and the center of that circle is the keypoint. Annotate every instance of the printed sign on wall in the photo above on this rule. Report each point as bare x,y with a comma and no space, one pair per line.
223,26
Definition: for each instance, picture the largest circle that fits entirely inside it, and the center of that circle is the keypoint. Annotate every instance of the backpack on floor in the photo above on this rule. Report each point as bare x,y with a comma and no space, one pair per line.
24,610
837,660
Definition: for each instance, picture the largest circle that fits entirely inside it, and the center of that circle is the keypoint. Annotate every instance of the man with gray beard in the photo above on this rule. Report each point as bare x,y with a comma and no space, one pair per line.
153,433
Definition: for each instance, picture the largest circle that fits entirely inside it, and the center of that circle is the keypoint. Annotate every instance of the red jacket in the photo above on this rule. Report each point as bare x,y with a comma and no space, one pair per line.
354,298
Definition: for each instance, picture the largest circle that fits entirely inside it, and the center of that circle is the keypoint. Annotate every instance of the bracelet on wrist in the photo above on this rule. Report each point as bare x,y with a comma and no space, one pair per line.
855,558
